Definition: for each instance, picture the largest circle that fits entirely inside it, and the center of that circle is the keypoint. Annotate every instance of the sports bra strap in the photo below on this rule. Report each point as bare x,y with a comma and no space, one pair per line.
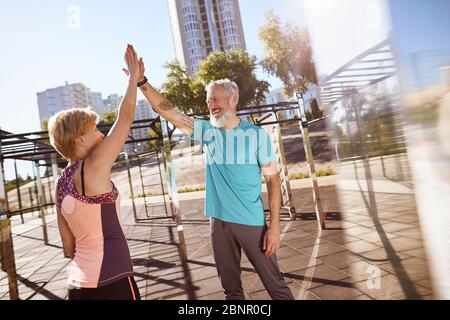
82,179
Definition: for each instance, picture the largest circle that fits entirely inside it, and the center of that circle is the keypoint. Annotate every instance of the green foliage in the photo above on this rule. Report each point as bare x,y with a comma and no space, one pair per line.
316,113
109,117
182,190
187,93
297,176
11,185
238,66
288,54
153,133
187,190
319,173
44,125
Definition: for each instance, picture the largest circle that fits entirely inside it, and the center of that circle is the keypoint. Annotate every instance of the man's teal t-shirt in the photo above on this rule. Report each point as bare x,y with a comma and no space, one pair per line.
233,170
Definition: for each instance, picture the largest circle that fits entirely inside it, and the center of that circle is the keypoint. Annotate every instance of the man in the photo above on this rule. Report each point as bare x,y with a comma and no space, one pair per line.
237,152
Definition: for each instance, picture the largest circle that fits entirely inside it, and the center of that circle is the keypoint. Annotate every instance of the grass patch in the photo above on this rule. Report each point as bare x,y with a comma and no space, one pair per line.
295,176
186,190
183,190
319,173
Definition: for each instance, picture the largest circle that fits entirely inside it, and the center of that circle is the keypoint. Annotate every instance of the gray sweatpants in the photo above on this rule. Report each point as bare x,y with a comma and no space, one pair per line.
227,241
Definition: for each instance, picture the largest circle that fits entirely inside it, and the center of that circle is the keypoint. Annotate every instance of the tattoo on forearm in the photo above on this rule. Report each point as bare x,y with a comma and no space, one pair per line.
188,122
165,106
144,87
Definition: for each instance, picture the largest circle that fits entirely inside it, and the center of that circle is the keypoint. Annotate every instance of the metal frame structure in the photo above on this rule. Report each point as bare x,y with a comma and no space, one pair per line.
35,147
371,66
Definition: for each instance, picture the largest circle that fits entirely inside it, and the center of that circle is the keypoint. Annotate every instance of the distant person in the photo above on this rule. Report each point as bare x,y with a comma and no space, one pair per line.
237,153
88,203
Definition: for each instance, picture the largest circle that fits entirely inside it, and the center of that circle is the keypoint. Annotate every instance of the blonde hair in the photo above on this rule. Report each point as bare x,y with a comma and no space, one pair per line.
67,125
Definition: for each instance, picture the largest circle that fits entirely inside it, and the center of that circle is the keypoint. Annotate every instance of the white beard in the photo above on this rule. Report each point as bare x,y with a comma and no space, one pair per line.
222,121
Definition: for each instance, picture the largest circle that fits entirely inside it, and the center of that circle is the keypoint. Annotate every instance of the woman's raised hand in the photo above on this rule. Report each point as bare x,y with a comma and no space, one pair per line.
133,64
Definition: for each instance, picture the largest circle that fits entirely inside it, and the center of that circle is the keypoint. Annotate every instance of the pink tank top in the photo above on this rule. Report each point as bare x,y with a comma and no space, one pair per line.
101,250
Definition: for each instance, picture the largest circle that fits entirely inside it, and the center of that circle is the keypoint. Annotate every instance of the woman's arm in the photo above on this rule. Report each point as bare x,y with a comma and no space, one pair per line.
105,153
67,238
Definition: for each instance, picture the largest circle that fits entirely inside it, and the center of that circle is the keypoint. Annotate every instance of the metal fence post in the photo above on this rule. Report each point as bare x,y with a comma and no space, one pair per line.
171,186
7,260
310,160
127,163
40,201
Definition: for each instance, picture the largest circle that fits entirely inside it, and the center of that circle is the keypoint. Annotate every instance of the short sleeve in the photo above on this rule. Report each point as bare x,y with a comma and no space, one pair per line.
265,150
200,127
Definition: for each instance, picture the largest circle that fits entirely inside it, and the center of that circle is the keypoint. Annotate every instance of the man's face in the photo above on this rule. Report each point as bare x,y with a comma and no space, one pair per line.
220,106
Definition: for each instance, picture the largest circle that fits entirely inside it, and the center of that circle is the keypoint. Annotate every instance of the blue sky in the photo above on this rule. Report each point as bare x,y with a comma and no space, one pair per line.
40,51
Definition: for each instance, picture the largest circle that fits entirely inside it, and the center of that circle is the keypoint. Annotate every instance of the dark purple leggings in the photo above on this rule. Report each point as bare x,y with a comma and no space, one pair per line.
123,289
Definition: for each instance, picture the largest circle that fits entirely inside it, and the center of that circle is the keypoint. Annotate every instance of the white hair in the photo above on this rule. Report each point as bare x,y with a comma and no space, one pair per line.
230,87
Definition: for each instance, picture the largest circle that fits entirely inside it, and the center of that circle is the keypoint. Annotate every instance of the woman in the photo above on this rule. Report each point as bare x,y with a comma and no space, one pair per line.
88,203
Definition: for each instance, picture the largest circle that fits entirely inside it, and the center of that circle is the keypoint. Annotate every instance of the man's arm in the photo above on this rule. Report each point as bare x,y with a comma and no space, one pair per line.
272,240
164,108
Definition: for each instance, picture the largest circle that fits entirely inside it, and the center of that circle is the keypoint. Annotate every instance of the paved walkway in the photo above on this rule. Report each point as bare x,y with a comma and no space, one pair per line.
372,249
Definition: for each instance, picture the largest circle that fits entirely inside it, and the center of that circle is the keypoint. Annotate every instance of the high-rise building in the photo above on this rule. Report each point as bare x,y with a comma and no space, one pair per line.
112,102
97,103
51,101
75,95
143,111
202,26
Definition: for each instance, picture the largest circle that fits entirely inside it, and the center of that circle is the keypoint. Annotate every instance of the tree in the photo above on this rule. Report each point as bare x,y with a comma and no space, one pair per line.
154,133
238,66
288,54
109,117
44,125
185,93
188,93
315,111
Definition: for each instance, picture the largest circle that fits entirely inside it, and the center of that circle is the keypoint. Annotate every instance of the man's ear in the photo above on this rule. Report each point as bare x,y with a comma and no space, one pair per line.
234,101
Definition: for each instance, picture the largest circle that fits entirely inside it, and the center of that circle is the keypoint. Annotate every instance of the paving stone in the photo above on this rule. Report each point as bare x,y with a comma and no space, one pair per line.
252,283
297,262
339,260
208,286
286,252
395,226
362,270
390,288
381,256
203,273
358,230
345,250
401,244
330,292
303,242
375,237
300,293
339,239
322,274
360,246
294,234
413,268
323,249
